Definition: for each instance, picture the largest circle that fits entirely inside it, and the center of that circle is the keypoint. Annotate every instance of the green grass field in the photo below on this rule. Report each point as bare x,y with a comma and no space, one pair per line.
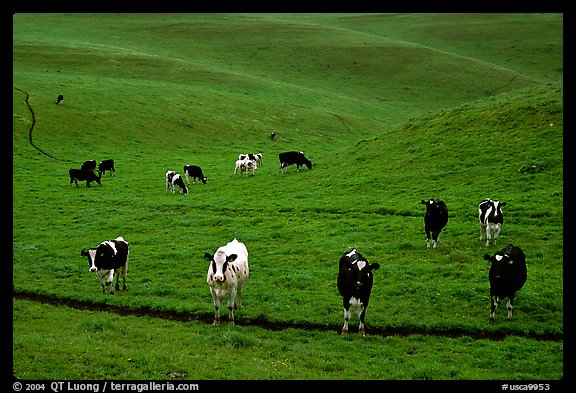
391,109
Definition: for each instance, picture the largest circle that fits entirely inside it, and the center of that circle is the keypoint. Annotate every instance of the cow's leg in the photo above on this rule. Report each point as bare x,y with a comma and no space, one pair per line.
238,301
216,307
496,233
231,300
488,237
427,238
435,239
361,329
509,307
346,304
110,281
494,302
482,229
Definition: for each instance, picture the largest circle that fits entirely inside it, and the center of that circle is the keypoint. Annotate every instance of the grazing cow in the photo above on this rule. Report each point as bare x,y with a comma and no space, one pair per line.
106,165
246,166
272,136
195,172
60,99
174,179
227,274
355,285
293,157
507,276
83,175
491,218
109,258
89,165
257,158
435,219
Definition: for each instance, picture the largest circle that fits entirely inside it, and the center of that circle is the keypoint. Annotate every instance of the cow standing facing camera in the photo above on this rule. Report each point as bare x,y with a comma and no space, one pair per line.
355,285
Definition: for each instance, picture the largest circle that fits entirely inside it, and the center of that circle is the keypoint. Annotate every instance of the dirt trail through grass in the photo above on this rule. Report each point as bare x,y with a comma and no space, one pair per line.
32,128
264,323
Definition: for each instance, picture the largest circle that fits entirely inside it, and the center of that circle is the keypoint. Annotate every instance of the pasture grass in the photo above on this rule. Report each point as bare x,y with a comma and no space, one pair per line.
152,348
389,116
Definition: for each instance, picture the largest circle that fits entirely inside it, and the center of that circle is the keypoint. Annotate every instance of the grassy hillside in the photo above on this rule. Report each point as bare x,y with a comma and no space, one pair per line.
388,113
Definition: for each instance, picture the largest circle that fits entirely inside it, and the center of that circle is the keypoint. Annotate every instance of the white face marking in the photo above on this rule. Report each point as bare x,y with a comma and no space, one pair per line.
361,264
92,254
498,257
351,253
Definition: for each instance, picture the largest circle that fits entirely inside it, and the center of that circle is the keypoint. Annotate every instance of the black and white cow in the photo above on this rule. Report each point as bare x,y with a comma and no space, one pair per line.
106,165
435,219
174,179
355,285
293,157
272,136
194,172
109,259
60,99
89,165
256,157
83,175
227,274
507,276
246,165
491,218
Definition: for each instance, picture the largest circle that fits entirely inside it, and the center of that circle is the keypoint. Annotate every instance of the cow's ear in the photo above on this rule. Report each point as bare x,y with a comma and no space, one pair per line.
487,257
84,253
208,257
423,202
503,203
375,266
231,258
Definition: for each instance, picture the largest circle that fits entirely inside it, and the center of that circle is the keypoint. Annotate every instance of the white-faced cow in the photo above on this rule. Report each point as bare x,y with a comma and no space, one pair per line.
507,276
106,165
194,172
60,99
83,175
246,165
435,219
293,157
491,218
355,285
174,179
89,165
227,274
109,259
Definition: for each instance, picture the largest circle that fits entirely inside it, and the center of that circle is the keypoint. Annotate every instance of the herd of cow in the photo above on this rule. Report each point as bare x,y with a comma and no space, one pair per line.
228,269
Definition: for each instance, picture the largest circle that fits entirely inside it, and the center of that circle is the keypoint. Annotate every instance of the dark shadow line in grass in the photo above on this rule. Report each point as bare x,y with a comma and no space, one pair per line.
263,322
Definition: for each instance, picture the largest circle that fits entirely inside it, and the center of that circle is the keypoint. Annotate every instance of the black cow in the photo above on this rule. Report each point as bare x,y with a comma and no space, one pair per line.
507,276
435,219
195,172
106,165
293,157
355,285
109,258
83,175
60,99
272,136
89,165
491,218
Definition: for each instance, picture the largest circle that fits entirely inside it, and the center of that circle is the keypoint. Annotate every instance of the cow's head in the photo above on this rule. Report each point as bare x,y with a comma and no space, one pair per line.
91,254
434,206
361,272
219,264
500,264
497,205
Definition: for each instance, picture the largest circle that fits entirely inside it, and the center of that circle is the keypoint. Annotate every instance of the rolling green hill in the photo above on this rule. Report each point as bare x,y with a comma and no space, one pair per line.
391,109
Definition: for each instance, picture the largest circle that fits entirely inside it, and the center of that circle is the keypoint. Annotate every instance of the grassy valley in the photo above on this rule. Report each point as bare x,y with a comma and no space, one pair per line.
390,109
